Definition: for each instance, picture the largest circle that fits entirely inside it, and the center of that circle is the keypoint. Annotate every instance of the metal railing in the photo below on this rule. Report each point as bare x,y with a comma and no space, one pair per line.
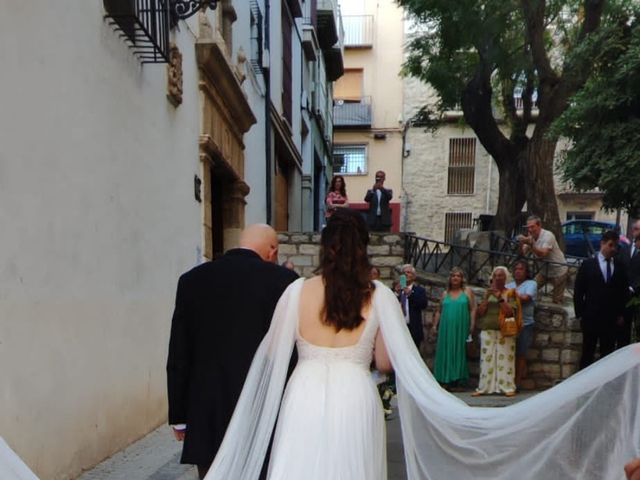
433,256
144,25
347,113
358,31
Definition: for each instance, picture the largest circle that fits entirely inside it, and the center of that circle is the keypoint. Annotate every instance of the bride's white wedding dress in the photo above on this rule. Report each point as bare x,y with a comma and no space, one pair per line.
331,410
587,427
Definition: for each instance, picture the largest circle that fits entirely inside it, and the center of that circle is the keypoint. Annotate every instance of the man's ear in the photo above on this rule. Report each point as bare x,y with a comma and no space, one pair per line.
273,255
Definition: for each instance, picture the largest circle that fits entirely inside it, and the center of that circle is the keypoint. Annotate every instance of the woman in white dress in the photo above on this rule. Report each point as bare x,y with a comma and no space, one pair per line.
331,414
330,422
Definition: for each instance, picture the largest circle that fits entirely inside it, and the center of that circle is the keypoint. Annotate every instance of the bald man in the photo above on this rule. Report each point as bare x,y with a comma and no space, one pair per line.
223,310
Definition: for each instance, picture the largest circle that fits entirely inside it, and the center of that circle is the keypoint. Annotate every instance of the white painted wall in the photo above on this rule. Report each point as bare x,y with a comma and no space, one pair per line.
254,140
99,219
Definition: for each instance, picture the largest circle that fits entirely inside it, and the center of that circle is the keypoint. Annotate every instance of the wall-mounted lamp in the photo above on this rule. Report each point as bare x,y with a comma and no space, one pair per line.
183,9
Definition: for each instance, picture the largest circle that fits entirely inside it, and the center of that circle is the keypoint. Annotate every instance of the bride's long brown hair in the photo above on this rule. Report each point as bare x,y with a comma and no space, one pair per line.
345,268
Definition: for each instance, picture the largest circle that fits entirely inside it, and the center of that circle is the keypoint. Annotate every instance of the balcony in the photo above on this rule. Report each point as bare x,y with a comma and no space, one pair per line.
328,26
295,8
333,63
352,114
143,25
309,40
358,31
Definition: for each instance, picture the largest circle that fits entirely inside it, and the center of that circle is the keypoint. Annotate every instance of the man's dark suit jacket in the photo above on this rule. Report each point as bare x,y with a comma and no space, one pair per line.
417,303
385,211
597,303
223,310
634,273
632,264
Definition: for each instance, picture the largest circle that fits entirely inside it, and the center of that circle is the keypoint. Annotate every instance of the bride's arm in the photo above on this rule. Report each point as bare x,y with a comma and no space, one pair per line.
380,356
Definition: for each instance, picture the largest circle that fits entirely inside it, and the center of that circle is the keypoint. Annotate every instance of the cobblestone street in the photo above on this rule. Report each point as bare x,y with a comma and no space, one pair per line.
157,456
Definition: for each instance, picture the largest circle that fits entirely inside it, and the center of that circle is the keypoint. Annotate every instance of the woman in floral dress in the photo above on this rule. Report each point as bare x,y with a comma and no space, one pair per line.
497,353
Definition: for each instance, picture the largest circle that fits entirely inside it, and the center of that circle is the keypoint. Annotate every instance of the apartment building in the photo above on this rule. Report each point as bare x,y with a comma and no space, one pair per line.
368,101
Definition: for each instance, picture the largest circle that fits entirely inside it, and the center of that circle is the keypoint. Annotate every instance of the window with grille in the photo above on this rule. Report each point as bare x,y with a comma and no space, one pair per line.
462,166
350,159
454,221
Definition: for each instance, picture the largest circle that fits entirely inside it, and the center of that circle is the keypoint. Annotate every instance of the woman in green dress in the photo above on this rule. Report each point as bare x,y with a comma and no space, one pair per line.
454,321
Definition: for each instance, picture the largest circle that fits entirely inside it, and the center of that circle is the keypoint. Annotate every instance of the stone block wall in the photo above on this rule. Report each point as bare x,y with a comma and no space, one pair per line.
554,355
555,352
386,251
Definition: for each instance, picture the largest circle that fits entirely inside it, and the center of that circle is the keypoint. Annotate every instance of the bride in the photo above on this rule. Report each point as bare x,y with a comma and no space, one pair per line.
330,423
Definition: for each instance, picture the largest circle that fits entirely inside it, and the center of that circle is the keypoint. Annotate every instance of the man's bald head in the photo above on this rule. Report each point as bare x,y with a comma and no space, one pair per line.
262,239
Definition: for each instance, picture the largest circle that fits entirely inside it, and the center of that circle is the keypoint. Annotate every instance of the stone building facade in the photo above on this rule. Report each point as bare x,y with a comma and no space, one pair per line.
434,205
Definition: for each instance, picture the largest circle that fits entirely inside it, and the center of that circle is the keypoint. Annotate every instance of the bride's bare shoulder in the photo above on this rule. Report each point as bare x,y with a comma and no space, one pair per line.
313,283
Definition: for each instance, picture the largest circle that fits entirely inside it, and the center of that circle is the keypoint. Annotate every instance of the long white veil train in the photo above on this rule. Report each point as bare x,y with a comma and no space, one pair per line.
11,465
587,427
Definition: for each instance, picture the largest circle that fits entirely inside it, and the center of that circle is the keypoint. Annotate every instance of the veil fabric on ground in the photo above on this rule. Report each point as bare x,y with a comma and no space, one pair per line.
11,466
587,427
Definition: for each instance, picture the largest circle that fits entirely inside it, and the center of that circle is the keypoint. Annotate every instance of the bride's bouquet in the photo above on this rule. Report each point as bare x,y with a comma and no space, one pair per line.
385,389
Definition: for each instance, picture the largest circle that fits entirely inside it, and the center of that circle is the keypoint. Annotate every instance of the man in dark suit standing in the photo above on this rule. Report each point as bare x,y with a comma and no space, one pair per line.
223,310
601,292
413,300
630,256
378,198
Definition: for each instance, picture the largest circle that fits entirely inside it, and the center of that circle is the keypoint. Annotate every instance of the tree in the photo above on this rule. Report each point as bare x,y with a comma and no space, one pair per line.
481,55
603,121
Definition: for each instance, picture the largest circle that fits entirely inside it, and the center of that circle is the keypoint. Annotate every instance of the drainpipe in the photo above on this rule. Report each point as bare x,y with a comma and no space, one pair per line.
404,205
267,110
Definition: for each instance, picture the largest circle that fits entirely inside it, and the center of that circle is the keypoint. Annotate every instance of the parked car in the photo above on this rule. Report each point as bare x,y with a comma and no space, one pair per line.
582,237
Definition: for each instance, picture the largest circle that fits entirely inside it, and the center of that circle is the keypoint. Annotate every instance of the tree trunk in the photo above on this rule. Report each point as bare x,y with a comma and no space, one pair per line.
539,184
511,197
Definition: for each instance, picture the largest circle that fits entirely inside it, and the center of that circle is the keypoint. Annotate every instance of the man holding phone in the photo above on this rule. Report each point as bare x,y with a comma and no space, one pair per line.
378,198
413,300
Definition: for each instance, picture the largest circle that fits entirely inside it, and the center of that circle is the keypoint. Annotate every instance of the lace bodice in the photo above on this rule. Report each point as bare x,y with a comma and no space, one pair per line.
360,353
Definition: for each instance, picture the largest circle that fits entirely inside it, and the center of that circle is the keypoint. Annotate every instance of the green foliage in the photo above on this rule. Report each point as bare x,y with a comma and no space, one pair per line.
603,120
454,39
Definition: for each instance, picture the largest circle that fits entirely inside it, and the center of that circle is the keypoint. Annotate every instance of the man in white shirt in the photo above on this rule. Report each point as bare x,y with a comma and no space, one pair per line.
378,198
543,244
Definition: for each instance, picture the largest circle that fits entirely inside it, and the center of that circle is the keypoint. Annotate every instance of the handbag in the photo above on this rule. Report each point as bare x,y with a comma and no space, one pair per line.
511,326
508,326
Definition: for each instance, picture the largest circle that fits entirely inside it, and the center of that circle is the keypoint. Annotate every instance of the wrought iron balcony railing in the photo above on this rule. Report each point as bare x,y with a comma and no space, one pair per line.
144,25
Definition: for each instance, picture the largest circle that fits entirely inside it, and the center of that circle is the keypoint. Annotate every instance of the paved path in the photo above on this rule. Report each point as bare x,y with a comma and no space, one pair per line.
157,456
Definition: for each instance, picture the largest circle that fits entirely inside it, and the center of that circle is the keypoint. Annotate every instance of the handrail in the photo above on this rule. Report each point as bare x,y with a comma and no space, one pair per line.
434,256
